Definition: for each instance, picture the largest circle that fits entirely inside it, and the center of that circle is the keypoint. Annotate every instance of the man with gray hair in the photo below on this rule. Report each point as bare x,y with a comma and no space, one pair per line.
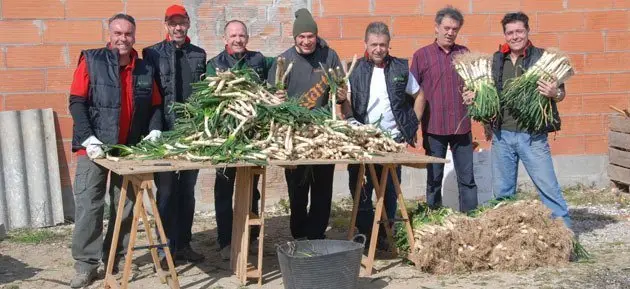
234,56
444,120
104,105
381,91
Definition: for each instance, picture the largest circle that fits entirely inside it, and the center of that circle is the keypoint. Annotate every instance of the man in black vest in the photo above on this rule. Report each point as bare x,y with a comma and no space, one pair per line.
510,142
113,100
307,82
178,63
383,91
234,56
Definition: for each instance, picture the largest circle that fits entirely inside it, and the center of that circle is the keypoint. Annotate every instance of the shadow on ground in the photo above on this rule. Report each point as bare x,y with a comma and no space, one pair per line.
14,270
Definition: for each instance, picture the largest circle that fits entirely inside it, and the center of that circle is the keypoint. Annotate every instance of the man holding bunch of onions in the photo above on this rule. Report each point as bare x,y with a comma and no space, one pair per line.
510,142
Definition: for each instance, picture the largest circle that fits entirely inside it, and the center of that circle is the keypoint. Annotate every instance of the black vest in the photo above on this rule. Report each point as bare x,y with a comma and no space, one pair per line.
532,54
252,59
396,77
162,56
105,97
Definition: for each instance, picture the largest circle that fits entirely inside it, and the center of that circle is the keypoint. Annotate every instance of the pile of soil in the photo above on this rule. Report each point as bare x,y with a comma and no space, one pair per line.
512,236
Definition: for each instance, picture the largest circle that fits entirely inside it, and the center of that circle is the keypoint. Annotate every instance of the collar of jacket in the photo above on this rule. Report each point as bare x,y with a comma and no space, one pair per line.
505,48
132,55
382,65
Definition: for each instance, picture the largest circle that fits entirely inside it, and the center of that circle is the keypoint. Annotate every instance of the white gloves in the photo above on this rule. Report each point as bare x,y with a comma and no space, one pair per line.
93,148
153,135
353,121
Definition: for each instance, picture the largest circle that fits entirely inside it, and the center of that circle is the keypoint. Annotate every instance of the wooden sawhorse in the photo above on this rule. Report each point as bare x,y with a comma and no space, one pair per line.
242,221
380,212
141,183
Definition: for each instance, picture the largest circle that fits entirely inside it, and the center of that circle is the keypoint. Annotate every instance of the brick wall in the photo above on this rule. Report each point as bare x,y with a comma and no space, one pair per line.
40,41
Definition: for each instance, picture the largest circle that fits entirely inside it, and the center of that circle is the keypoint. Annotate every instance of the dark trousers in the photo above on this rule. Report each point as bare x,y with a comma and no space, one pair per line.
461,146
365,215
176,204
223,195
88,246
312,223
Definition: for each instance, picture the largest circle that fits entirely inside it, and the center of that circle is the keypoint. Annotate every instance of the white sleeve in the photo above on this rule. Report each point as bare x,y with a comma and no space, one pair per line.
412,85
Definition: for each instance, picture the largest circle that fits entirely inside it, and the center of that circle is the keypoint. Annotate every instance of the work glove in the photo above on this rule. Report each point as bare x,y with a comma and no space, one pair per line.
93,148
353,121
153,135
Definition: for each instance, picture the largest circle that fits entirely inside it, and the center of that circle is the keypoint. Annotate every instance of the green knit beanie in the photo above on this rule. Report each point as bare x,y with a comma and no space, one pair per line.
304,22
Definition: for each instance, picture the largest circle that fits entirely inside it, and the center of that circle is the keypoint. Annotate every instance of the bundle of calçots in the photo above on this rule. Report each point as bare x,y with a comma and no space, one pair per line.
532,110
231,118
476,71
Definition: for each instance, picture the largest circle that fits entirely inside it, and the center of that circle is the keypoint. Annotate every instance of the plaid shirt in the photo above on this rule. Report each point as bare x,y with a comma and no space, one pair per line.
445,113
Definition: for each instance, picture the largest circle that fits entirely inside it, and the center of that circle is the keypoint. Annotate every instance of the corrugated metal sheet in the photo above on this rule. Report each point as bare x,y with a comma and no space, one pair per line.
30,186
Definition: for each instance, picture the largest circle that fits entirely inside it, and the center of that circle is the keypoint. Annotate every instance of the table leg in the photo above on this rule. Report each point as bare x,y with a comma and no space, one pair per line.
356,200
110,281
380,193
403,212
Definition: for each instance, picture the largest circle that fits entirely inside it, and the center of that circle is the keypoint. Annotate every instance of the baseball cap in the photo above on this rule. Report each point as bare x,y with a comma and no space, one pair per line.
174,10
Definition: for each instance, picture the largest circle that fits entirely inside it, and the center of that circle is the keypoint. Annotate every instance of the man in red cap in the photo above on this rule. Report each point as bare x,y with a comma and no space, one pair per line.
178,63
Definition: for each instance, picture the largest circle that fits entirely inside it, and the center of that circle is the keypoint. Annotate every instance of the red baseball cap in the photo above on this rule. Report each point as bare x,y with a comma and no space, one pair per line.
175,10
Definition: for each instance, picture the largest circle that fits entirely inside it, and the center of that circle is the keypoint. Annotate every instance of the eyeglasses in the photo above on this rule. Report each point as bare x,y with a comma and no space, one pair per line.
175,24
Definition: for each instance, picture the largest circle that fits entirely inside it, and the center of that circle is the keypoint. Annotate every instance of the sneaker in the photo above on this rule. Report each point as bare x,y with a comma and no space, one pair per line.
226,253
189,255
82,279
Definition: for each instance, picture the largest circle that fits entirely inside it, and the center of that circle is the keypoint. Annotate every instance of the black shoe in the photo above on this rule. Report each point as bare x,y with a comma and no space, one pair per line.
119,266
189,255
82,279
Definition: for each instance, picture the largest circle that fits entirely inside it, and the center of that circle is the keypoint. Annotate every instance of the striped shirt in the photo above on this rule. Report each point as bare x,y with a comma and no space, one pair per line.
445,113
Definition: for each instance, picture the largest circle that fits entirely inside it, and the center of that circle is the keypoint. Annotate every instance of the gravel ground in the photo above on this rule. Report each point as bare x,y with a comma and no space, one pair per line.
604,230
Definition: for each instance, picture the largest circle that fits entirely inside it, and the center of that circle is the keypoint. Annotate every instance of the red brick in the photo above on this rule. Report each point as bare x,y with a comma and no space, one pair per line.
354,27
59,80
430,7
393,7
582,125
3,64
619,82
74,51
57,101
598,103
346,48
571,145
64,153
493,6
545,39
617,41
413,26
32,9
588,83
19,32
346,7
596,144
65,127
589,4
102,9
328,28
477,24
21,80
621,4
559,22
403,47
149,31
1,103
607,20
483,43
73,31
571,105
541,5
582,42
36,56
150,8
612,61
577,61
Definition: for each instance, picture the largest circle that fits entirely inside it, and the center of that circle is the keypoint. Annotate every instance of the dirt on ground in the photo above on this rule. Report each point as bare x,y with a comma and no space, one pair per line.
42,258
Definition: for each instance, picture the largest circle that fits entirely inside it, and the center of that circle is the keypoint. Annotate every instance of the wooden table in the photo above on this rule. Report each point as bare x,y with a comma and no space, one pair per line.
140,175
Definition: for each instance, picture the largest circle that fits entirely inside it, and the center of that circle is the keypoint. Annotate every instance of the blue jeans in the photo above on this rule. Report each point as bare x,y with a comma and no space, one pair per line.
176,205
533,149
365,216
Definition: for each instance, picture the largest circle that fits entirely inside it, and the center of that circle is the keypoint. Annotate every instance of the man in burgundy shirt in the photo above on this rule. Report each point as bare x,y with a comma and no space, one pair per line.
113,100
443,116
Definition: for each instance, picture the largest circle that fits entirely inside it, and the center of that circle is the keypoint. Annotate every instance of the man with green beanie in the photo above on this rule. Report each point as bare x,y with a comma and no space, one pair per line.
307,83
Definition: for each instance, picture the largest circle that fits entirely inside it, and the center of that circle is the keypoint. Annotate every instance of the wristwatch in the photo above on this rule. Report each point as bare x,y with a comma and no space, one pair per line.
559,94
